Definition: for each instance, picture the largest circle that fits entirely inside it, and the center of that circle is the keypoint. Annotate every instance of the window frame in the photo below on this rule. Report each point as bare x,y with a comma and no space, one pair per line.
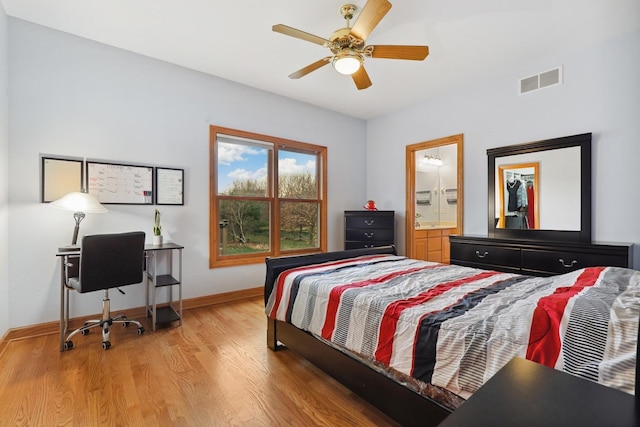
215,258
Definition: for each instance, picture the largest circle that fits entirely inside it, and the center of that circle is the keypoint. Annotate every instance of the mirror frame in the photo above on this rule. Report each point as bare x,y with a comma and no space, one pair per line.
584,234
411,184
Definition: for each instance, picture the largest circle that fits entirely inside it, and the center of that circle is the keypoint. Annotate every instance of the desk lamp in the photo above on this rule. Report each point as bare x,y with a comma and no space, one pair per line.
79,202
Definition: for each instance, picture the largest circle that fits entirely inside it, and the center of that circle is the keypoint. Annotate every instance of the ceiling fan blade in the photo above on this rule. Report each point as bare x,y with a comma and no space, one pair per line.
309,68
361,78
415,53
372,13
289,31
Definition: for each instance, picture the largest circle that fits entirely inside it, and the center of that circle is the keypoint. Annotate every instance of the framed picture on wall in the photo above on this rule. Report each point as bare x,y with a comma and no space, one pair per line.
59,176
169,186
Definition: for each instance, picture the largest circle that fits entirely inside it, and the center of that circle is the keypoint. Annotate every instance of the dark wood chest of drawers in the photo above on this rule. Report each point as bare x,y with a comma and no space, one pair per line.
367,229
536,258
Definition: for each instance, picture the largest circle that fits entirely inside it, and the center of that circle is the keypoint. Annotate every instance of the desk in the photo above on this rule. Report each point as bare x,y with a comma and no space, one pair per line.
524,393
69,268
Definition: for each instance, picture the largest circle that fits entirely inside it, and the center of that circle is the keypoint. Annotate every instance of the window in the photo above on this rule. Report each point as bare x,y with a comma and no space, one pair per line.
268,197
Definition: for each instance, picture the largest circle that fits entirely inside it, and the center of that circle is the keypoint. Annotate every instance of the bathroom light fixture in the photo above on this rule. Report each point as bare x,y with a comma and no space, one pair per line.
428,159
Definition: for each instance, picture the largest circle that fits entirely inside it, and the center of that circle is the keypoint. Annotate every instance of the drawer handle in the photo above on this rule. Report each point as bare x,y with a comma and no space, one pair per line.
368,235
368,222
482,255
368,246
564,264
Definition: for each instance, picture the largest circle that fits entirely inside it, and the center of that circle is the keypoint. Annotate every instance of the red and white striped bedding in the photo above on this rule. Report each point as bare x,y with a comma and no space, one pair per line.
455,326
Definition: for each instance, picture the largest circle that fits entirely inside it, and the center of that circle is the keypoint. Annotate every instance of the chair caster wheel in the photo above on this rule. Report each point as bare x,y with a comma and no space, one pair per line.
140,331
125,324
85,332
68,345
106,345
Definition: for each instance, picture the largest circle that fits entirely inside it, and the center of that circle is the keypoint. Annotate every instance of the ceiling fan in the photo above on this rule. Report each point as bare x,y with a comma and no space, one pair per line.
348,44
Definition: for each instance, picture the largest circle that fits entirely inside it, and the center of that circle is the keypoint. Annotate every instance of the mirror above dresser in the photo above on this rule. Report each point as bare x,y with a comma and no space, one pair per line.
539,212
541,190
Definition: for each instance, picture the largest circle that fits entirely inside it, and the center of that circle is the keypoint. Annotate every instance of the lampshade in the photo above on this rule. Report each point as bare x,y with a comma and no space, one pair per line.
79,202
347,62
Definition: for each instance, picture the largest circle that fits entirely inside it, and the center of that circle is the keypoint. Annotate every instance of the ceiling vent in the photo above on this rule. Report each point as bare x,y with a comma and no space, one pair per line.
542,80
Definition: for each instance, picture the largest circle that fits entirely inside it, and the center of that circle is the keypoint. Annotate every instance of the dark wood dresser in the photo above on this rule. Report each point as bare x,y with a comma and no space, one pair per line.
368,229
536,258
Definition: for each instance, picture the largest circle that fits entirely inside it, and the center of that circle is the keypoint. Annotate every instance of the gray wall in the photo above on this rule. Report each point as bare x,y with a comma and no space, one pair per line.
74,97
4,175
600,94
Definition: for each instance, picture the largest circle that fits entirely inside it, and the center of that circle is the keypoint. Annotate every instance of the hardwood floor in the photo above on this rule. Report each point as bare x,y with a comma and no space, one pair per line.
215,370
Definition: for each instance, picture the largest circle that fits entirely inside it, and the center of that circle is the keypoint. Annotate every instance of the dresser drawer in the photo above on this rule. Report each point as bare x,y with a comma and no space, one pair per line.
485,256
537,258
369,221
558,262
360,245
366,235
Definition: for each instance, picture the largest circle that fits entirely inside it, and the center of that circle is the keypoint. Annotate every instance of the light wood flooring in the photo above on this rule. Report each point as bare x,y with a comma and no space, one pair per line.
214,370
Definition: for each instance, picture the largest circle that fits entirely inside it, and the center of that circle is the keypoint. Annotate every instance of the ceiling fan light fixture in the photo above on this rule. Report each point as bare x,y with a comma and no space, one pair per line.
347,62
347,44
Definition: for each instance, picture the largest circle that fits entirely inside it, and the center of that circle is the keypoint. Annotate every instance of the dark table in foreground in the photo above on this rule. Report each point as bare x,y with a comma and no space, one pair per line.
524,393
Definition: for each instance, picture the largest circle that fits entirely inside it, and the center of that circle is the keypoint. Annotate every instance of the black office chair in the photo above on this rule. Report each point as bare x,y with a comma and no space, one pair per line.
107,261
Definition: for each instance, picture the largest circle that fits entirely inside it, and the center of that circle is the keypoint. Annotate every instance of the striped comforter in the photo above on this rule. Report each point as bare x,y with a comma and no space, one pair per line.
455,326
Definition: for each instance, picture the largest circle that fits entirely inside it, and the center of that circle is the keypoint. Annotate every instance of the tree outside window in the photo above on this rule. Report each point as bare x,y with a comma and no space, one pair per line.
268,197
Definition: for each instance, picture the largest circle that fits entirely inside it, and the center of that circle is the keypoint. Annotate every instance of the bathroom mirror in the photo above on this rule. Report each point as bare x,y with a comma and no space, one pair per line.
434,196
541,190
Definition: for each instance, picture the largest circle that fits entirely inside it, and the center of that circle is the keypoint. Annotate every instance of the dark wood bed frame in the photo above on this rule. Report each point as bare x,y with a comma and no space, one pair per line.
398,402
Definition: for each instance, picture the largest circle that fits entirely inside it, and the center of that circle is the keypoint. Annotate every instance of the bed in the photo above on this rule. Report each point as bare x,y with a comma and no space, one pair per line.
416,338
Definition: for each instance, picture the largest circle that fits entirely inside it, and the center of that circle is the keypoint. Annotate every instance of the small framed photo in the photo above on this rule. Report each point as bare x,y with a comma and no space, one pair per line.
60,176
169,186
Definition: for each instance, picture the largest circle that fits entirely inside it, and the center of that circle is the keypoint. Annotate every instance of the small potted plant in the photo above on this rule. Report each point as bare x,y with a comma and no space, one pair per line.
157,229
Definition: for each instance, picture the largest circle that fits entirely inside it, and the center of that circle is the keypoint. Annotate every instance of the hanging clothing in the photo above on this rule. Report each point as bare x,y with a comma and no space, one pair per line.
517,196
522,197
512,191
518,221
530,205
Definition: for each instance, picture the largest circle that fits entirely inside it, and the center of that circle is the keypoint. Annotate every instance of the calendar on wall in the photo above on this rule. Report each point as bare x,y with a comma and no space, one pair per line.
113,183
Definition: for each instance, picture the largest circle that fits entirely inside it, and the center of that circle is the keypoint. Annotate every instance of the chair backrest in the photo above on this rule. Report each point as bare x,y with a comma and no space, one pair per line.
111,260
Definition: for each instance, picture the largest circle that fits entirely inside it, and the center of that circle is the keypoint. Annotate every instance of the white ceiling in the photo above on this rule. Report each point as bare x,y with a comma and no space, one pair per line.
468,40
